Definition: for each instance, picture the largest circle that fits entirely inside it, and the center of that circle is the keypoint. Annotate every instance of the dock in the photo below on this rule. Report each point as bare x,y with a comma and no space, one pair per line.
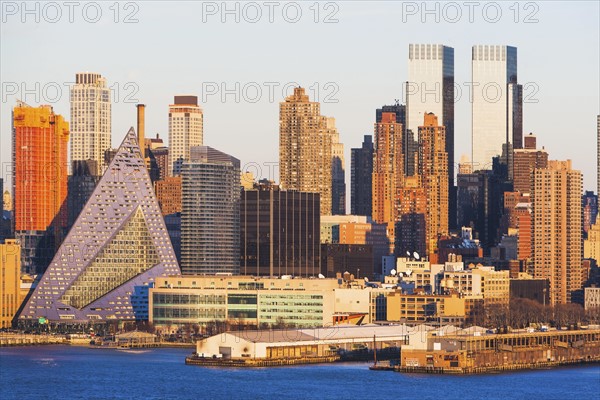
478,354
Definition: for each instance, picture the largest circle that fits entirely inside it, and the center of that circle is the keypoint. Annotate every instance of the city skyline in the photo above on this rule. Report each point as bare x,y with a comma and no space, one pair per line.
252,135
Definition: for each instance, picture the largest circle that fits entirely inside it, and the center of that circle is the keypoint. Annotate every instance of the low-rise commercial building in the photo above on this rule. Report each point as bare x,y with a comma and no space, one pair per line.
10,271
245,300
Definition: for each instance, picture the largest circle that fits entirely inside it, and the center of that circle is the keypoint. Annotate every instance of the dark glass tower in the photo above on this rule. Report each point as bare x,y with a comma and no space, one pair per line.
361,178
279,232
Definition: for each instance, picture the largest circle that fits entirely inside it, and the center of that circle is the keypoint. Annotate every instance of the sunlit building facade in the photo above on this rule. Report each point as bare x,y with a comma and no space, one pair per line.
113,253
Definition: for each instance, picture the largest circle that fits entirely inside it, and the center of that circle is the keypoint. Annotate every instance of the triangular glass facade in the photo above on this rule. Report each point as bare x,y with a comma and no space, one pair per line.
119,242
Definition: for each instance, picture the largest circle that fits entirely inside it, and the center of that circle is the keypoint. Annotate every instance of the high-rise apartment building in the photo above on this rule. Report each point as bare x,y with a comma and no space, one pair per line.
39,178
186,129
210,212
497,105
430,89
525,160
279,232
388,172
433,170
90,119
117,248
556,242
411,227
361,178
409,144
306,148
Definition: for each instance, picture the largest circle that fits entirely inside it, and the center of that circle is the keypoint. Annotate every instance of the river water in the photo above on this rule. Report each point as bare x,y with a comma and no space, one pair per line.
70,372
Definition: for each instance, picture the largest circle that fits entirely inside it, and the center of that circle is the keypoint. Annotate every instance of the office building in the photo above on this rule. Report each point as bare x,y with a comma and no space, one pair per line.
306,150
497,103
279,232
356,230
388,172
433,171
10,272
116,249
210,212
39,178
598,154
356,259
186,129
557,233
361,178
90,119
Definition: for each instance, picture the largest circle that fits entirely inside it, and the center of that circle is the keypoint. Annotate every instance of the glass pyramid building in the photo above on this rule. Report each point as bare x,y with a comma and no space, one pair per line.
114,251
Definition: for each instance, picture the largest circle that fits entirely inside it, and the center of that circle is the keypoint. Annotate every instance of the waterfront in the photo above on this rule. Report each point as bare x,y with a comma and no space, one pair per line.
52,372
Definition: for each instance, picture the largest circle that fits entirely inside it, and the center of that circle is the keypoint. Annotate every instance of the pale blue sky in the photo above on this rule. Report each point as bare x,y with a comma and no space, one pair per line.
171,50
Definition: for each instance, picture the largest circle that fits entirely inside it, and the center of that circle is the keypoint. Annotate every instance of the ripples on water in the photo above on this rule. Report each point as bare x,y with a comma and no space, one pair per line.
53,372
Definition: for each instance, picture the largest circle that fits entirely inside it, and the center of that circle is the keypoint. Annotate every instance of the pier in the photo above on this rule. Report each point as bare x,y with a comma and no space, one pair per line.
455,354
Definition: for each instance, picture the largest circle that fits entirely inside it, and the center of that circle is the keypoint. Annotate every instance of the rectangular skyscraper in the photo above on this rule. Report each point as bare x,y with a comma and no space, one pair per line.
40,140
210,214
361,178
598,154
90,119
557,228
309,151
388,172
497,105
280,232
430,89
186,129
409,145
433,170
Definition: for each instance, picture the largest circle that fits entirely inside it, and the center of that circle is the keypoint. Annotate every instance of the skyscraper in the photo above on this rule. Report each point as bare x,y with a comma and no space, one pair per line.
497,105
186,129
115,250
280,232
90,119
430,89
210,212
39,178
557,228
433,170
409,145
338,172
598,154
361,178
411,227
306,148
525,160
388,172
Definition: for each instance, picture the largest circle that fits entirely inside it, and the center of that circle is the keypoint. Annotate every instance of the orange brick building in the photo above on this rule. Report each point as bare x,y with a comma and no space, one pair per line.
168,194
